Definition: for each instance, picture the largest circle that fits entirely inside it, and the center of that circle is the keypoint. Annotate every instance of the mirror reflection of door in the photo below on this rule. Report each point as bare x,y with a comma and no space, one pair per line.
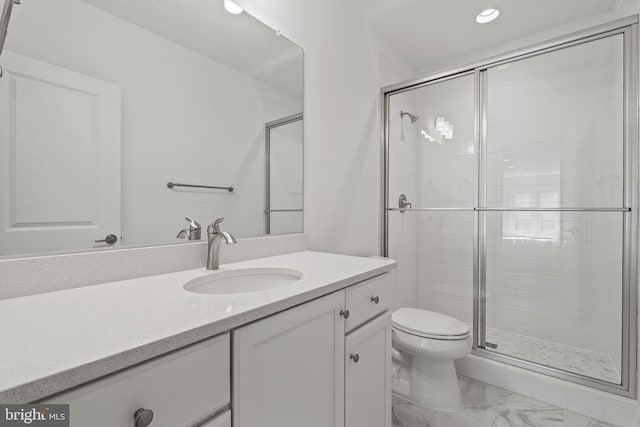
59,141
284,184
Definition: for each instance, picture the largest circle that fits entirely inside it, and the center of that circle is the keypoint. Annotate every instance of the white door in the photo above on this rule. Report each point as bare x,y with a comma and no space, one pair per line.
288,369
60,148
368,375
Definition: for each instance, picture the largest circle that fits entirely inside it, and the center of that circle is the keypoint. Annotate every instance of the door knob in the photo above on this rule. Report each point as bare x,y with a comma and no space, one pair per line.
375,300
110,239
142,417
355,357
344,313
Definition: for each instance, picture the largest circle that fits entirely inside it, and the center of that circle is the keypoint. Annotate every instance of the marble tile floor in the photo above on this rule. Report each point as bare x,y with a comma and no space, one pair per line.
556,355
485,405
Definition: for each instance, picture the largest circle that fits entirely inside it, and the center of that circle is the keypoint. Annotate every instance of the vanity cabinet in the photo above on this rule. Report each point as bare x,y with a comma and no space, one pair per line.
183,388
323,363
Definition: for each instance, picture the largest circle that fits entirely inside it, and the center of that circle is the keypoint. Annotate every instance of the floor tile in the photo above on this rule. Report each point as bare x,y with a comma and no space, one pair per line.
485,405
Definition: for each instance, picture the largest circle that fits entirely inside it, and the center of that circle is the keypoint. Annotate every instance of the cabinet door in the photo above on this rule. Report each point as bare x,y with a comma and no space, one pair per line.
288,369
368,375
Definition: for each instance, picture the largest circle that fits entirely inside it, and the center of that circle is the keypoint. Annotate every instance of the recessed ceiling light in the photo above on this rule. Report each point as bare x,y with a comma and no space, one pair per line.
231,7
487,15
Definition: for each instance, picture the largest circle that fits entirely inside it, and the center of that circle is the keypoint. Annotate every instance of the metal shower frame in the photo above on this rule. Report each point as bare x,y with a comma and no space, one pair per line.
628,28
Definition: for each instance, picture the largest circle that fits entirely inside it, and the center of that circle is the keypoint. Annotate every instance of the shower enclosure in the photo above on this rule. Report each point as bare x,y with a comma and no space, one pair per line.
511,203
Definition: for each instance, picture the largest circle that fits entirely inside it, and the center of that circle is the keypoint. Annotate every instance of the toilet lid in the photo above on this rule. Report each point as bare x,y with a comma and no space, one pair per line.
428,323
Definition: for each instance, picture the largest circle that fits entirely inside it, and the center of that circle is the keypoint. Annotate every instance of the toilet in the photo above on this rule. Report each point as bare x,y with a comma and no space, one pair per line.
425,345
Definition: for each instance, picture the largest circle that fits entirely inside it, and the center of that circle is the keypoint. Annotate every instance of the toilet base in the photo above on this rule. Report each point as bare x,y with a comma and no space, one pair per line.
430,383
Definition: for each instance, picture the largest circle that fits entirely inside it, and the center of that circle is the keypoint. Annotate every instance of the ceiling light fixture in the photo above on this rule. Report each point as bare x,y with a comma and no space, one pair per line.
487,16
232,8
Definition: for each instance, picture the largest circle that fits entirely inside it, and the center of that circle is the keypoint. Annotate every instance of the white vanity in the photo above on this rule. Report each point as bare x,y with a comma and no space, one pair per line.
313,352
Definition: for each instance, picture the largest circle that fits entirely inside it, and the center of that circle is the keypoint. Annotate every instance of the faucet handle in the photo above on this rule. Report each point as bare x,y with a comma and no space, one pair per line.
193,224
215,226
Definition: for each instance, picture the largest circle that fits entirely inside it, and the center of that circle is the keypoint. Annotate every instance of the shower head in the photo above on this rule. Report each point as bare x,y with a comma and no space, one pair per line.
411,116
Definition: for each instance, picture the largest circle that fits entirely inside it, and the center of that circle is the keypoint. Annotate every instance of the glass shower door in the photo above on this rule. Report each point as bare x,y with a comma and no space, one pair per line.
554,210
432,163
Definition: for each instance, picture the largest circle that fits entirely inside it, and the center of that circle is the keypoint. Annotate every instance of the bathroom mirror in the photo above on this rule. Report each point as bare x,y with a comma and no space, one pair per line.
105,102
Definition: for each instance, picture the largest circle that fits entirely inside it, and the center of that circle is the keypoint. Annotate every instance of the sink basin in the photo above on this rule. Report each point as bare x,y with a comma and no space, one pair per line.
243,281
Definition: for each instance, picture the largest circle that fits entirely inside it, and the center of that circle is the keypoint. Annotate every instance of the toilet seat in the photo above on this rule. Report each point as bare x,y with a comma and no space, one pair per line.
429,324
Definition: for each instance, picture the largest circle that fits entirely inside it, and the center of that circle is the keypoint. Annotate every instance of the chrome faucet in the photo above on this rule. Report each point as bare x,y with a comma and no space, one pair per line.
215,237
193,232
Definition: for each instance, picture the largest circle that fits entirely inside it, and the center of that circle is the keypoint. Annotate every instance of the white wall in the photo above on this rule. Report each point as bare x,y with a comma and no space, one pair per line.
391,67
185,118
342,145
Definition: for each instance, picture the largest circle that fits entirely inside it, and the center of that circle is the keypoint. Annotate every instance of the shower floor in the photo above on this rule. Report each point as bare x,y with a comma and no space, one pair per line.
572,359
485,405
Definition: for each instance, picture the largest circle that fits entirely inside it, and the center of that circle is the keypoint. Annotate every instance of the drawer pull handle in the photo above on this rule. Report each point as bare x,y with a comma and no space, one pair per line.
344,313
143,417
355,357
375,300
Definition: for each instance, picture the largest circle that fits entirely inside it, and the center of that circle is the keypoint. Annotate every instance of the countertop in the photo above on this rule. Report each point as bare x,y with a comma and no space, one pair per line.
54,341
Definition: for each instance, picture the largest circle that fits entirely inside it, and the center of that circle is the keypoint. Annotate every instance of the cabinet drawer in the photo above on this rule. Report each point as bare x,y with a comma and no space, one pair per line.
180,388
222,420
368,299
